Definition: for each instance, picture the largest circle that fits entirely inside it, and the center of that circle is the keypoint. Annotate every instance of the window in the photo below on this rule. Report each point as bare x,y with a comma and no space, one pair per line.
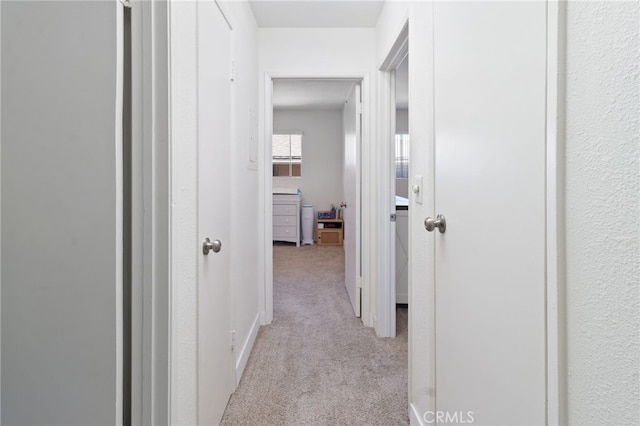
402,156
287,154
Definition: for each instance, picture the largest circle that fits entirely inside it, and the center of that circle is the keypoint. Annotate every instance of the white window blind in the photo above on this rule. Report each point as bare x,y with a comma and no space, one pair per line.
287,154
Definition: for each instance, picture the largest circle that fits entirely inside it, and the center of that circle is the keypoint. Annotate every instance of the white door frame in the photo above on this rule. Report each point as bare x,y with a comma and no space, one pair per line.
557,368
165,246
150,213
266,185
386,326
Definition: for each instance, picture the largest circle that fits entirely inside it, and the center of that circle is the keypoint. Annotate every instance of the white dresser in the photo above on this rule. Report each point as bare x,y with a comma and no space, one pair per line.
286,217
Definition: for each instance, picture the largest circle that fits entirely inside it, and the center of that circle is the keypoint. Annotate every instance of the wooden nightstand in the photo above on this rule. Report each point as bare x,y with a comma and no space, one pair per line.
330,232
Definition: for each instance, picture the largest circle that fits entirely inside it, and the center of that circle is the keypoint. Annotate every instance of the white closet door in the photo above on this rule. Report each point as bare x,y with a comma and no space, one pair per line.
215,364
490,186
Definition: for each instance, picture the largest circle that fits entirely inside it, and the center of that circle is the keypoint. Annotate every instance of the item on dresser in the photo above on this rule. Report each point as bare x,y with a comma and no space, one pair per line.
284,190
325,214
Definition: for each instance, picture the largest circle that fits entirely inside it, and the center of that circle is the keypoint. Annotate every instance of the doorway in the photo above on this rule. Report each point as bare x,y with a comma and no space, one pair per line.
402,166
394,188
310,112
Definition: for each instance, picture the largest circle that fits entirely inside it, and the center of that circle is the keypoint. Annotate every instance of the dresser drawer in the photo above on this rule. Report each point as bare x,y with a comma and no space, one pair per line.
285,210
284,232
284,220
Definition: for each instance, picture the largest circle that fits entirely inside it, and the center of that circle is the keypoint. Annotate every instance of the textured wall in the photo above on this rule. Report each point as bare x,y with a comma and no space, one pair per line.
602,187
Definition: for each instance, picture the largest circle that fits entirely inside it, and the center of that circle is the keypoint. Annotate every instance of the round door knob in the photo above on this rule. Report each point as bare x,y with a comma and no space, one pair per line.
208,245
439,223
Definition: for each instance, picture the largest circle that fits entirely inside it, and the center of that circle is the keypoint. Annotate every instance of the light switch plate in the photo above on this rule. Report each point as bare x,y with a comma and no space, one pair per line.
417,189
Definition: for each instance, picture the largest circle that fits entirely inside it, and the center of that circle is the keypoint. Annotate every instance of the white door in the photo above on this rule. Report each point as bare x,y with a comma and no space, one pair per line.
352,124
215,365
62,213
490,186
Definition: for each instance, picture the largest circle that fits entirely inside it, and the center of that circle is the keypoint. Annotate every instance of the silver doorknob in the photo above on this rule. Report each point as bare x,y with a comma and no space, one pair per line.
439,223
208,245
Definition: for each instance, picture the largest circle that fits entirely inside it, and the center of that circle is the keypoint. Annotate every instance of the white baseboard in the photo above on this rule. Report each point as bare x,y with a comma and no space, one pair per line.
241,363
415,419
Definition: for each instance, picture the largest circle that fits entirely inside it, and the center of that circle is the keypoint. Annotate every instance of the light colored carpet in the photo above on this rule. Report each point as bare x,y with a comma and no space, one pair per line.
316,364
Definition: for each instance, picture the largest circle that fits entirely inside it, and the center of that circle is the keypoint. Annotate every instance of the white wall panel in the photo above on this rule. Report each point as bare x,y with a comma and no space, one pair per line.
61,195
245,213
321,180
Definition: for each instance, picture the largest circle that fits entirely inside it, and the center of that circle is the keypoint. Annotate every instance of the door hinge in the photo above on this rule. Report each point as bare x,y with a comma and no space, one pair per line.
233,340
359,282
359,108
126,3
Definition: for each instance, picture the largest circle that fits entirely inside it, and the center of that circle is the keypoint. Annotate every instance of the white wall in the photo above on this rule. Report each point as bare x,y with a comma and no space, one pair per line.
321,180
245,212
602,212
316,52
61,256
402,187
402,120
402,126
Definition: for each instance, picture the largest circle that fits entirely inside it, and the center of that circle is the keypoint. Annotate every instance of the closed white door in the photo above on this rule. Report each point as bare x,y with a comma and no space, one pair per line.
215,364
351,178
490,186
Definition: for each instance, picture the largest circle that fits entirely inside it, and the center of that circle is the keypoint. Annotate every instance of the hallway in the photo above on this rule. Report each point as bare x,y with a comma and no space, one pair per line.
317,364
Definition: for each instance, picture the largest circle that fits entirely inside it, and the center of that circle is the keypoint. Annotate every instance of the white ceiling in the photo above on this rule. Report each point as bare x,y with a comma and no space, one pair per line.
311,94
316,13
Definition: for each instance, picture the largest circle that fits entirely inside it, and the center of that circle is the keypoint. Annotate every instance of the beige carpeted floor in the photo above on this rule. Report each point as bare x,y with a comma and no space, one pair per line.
317,364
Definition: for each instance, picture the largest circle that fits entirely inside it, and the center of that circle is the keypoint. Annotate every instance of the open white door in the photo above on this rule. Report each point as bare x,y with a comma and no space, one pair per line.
215,364
352,114
62,213
490,186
